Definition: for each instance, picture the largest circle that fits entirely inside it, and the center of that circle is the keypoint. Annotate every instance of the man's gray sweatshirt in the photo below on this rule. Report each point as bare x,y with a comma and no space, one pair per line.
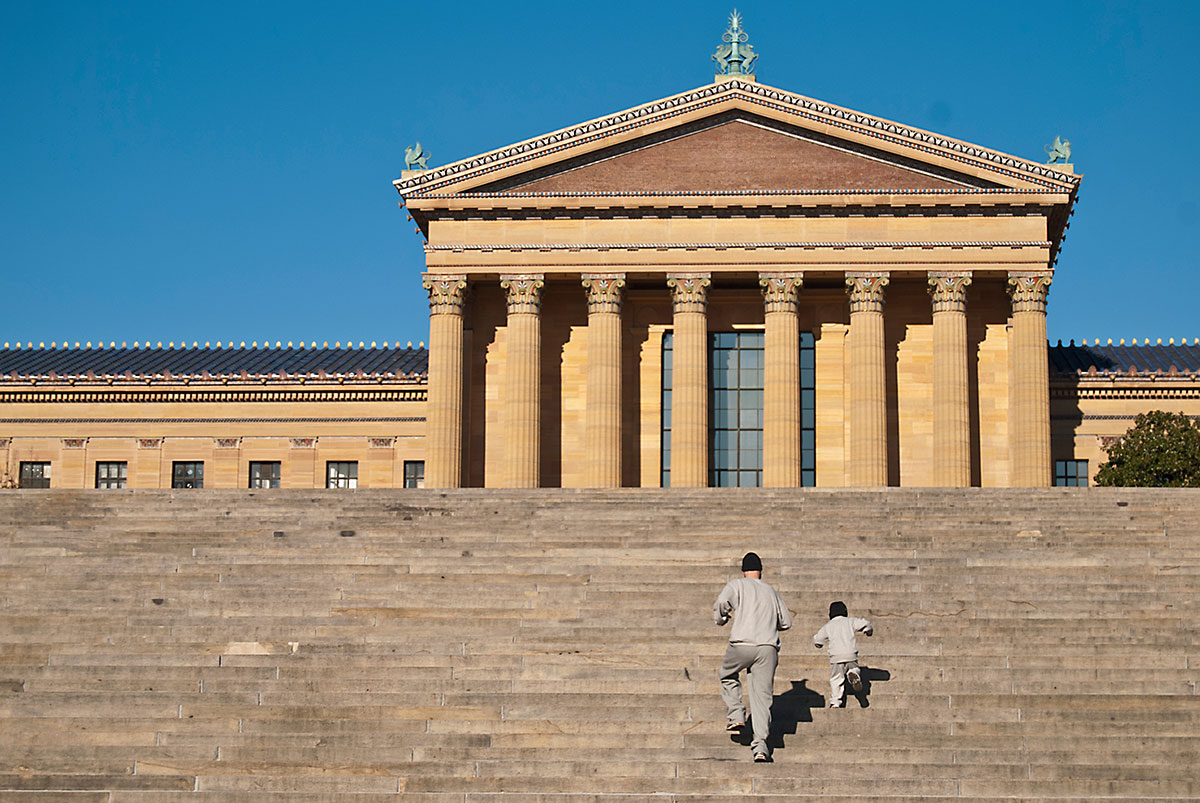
761,613
838,633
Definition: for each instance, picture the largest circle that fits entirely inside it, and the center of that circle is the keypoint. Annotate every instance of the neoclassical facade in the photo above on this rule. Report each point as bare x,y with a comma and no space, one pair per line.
882,292
734,285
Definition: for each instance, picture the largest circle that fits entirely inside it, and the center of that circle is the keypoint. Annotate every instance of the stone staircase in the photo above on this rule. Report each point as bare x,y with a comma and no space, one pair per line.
558,645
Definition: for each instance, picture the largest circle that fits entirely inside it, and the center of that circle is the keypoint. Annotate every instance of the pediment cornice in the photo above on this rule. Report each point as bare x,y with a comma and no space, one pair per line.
479,170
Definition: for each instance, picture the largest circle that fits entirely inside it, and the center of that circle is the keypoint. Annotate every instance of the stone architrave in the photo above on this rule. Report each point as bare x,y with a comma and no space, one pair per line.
781,379
444,416
602,417
522,384
1029,418
689,408
951,406
868,381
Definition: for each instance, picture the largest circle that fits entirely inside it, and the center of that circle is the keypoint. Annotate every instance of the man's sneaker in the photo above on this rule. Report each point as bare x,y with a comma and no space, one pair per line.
734,727
832,704
762,758
855,680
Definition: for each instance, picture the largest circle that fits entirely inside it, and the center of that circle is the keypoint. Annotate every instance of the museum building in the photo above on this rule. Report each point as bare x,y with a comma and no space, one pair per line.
735,285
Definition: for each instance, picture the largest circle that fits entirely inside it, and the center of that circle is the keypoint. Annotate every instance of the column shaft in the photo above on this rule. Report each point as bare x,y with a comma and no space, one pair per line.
689,406
523,385
602,418
781,381
868,382
444,409
951,405
1029,420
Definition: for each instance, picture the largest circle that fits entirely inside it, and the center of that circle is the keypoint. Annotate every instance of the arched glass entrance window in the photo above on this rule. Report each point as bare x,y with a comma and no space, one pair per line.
736,369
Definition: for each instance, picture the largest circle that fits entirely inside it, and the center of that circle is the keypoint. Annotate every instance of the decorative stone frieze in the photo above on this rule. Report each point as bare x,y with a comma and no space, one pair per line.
74,443
447,294
689,291
381,443
605,292
866,291
302,443
5,443
949,291
524,292
780,290
228,443
150,443
1029,292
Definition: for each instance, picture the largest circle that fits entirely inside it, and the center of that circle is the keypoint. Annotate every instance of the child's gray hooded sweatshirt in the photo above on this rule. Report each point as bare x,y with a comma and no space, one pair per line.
761,614
838,633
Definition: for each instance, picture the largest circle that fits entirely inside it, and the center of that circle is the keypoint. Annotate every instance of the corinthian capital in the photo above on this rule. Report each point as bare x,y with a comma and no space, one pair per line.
446,294
604,292
689,291
1029,292
866,291
524,292
780,290
949,291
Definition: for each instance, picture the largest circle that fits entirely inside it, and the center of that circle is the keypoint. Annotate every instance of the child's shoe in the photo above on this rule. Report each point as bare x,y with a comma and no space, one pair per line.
855,680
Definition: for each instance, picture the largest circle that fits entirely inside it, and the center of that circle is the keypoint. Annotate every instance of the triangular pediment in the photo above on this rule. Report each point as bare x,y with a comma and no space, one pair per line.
735,136
735,152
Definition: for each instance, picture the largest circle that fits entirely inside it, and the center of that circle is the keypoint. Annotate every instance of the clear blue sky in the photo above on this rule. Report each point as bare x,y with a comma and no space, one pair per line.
222,171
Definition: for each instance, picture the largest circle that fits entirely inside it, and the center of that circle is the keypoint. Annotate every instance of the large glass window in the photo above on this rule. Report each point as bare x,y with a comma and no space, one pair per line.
35,475
668,362
111,475
187,474
264,474
341,475
1071,473
735,403
414,473
736,390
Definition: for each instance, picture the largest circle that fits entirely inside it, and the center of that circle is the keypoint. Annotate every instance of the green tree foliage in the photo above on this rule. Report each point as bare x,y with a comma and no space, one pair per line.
1160,450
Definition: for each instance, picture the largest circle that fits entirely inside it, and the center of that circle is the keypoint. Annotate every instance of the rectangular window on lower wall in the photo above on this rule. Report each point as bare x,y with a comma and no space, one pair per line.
1071,473
35,475
342,474
111,474
187,474
414,473
264,474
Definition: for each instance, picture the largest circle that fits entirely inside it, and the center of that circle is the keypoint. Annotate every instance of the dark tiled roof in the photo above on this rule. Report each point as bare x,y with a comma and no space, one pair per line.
1120,358
396,363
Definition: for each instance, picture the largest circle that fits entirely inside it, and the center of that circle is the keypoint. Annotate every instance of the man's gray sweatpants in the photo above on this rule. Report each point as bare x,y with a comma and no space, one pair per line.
760,663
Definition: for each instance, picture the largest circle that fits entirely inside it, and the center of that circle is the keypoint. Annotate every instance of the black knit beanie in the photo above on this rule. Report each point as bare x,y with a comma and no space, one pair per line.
751,563
837,609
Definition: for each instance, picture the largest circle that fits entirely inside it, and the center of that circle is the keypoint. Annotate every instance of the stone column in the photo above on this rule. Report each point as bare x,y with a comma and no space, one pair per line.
602,419
523,382
689,403
868,383
781,380
1029,416
951,408
444,409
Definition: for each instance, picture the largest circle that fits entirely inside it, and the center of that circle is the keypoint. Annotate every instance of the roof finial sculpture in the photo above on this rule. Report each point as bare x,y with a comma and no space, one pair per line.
736,56
1060,151
415,158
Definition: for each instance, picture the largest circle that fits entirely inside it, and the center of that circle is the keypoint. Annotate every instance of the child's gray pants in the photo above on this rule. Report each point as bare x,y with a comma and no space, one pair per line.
837,680
760,663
